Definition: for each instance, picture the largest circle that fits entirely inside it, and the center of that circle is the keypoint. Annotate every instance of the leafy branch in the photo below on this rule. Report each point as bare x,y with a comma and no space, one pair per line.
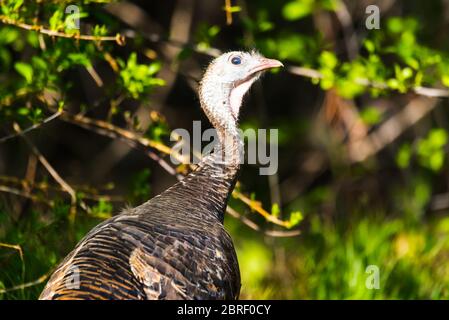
316,74
118,38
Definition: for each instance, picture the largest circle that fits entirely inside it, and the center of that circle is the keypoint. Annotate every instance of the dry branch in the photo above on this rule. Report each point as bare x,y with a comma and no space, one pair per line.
15,247
134,140
423,91
118,38
24,194
33,127
53,173
271,233
44,187
39,280
391,129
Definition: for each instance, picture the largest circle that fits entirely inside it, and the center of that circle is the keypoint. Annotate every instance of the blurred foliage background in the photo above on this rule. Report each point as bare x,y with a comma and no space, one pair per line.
86,116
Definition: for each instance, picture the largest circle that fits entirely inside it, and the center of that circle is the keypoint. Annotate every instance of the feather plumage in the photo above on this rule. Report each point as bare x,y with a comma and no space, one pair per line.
174,246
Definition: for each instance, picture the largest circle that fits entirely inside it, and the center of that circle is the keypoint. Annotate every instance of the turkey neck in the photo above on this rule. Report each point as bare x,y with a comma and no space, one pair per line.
215,177
203,194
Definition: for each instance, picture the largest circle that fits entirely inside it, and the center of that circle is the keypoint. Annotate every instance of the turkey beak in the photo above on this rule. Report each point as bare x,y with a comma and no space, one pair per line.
265,64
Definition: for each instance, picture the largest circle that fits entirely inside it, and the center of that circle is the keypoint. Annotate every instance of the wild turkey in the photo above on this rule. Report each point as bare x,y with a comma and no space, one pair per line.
174,246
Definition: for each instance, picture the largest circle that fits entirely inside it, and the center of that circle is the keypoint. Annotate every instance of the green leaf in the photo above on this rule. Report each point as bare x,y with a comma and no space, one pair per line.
8,35
395,25
369,45
436,160
154,68
407,73
438,137
137,78
205,35
393,83
295,218
445,80
39,63
297,9
213,31
403,156
102,210
69,21
56,21
330,5
156,82
25,70
275,211
328,79
233,9
370,115
431,149
412,62
23,111
79,58
418,78
17,4
328,59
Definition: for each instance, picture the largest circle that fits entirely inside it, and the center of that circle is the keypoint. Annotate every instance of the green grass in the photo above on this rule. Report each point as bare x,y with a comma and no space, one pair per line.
330,260
327,261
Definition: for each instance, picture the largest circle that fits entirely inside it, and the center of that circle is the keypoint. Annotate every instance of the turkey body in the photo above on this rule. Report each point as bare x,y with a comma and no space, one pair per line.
174,246
163,249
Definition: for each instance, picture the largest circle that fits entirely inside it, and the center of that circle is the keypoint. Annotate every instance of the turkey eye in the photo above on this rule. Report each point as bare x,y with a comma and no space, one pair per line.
236,60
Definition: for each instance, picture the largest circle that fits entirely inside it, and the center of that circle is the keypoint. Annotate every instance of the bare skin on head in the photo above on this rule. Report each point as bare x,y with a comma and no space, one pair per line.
227,80
173,246
225,83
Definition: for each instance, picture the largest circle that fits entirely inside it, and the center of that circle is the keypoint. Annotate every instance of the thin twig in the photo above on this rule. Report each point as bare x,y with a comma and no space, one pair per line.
109,130
347,26
431,92
33,127
19,249
118,38
95,76
15,247
423,91
271,233
54,174
228,11
300,71
296,70
44,186
307,72
134,140
39,280
106,128
256,206
391,129
24,194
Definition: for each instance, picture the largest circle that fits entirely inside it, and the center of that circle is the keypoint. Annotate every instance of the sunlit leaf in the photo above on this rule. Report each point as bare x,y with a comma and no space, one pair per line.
25,70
